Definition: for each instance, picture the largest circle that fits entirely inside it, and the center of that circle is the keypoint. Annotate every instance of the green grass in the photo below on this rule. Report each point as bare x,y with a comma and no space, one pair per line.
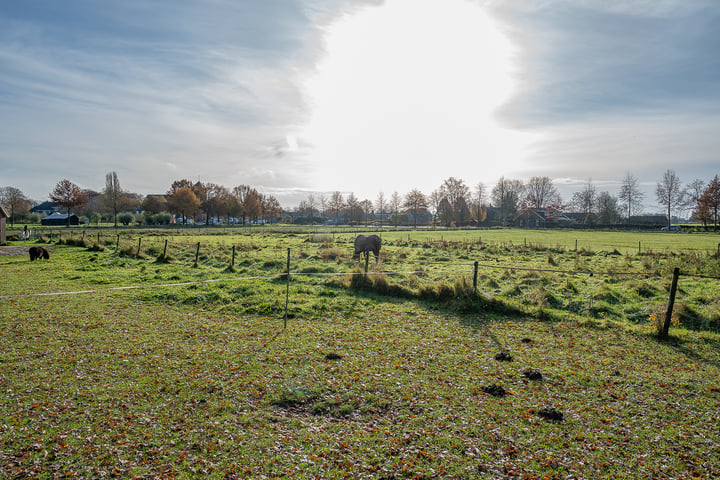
376,378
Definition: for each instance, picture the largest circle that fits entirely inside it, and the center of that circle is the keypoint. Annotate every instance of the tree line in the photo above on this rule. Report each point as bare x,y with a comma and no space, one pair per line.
453,203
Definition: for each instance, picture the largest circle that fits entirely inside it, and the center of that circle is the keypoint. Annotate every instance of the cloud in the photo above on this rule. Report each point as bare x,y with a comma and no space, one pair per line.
210,87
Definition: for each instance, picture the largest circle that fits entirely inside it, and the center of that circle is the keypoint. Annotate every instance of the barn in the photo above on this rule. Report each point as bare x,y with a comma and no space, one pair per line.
60,219
3,219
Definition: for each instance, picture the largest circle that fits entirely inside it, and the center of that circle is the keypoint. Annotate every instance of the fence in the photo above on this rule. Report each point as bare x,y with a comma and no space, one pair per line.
220,255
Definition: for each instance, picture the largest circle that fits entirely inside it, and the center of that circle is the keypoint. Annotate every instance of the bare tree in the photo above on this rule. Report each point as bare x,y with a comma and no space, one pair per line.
354,208
367,207
540,192
113,197
607,208
585,201
478,208
68,195
380,204
336,205
434,200
395,202
415,201
669,193
630,196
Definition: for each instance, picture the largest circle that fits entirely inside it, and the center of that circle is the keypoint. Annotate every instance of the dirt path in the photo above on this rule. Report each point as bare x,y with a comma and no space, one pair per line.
13,250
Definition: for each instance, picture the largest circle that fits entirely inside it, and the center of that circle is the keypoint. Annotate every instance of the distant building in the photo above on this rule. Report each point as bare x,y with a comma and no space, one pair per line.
541,217
3,219
45,208
60,219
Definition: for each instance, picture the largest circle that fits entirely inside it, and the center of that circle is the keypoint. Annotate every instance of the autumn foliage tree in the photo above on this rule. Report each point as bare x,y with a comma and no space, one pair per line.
68,195
185,202
709,202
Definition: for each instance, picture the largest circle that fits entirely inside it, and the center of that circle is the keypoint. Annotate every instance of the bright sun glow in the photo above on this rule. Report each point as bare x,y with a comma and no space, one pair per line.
405,97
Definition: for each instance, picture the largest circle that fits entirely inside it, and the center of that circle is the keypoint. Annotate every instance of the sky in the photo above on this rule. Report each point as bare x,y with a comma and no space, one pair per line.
299,97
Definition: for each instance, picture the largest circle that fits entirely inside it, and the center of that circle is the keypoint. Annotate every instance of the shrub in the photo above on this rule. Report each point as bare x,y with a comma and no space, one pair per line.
125,218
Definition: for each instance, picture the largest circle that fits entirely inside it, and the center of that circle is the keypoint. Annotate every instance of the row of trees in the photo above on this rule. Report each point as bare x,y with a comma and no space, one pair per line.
186,199
453,203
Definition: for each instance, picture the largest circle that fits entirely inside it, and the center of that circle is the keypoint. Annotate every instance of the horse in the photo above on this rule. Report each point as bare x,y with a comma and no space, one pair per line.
365,244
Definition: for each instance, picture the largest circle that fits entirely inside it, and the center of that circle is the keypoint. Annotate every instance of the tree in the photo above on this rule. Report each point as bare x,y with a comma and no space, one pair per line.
215,204
630,196
540,192
367,207
710,200
456,193
354,209
670,193
607,208
185,202
68,195
380,204
506,195
415,201
154,204
478,209
113,197
252,204
270,207
395,202
434,200
336,205
15,199
585,201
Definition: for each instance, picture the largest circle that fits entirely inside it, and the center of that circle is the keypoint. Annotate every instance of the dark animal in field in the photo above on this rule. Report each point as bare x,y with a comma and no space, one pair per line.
365,244
38,252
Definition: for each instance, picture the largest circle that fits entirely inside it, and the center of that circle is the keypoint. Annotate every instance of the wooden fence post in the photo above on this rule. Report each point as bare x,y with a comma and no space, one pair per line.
197,253
287,288
367,260
232,263
137,254
165,249
670,304
98,240
117,242
475,272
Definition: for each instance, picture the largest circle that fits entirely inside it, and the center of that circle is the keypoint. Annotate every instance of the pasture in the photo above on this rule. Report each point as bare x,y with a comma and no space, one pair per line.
167,367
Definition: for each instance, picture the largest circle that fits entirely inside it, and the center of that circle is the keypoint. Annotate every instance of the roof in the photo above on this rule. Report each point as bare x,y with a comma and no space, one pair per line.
58,216
3,212
45,206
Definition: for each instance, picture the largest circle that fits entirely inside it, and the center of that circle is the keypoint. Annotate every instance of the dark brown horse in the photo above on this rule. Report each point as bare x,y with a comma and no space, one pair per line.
370,243
38,252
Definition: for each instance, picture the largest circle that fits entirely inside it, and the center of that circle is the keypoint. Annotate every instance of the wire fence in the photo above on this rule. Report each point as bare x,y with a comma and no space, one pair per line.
227,253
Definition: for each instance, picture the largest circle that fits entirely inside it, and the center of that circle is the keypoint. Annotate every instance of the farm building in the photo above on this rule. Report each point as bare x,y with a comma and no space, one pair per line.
3,219
541,217
45,208
60,219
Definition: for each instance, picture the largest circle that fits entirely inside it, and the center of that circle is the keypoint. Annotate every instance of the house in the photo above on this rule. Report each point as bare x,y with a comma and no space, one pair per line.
45,208
60,219
3,219
541,217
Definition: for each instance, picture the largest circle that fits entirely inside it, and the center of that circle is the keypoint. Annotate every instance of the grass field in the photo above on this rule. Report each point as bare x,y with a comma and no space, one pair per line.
391,377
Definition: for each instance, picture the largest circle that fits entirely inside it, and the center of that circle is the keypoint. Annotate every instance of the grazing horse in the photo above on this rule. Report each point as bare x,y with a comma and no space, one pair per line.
38,252
365,244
